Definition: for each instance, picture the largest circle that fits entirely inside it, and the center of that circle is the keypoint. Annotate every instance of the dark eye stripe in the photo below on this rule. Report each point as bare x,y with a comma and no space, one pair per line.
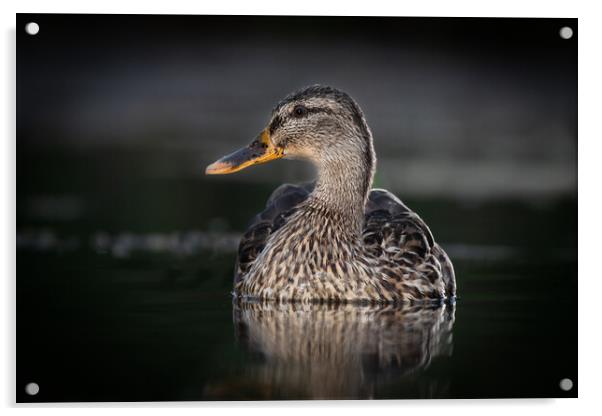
315,110
277,121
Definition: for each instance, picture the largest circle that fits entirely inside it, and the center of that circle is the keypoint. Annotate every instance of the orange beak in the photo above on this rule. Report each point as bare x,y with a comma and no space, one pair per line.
261,150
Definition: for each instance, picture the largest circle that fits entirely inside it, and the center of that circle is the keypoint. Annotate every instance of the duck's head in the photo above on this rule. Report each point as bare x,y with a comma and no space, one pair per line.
318,123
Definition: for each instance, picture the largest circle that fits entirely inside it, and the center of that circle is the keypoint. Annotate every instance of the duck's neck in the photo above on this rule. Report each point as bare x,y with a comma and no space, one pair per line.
343,185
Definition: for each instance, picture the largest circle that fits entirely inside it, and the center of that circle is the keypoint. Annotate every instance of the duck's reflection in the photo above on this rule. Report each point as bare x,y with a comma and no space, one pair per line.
345,351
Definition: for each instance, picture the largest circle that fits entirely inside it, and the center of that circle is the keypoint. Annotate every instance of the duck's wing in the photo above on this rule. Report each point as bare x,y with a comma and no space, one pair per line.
280,206
394,232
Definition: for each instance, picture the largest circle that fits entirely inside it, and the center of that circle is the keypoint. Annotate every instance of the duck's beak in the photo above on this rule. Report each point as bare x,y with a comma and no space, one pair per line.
261,150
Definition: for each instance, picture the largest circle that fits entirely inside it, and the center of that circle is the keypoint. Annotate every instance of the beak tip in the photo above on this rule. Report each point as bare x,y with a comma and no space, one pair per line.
217,168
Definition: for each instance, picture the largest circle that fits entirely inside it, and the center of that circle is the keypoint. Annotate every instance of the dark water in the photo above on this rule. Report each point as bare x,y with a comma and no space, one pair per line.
120,299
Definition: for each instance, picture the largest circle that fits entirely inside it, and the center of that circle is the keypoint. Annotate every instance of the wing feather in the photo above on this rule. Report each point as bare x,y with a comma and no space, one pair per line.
398,234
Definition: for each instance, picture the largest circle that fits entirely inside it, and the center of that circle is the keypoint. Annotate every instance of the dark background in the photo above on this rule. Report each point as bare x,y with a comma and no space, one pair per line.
458,107
120,235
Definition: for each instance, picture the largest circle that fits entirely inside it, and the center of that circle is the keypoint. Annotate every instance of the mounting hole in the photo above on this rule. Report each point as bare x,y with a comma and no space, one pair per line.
32,389
566,384
566,32
32,28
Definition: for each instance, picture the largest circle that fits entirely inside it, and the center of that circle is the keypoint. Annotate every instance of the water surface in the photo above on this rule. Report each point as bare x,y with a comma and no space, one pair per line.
113,306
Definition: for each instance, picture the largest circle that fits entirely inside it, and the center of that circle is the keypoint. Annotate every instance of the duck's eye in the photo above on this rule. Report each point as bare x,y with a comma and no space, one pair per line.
299,111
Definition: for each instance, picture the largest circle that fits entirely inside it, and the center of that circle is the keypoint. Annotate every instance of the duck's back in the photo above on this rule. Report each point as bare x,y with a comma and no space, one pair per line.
395,232
392,232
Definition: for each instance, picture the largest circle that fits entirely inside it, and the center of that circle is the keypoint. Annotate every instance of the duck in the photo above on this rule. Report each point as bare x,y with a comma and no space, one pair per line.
334,240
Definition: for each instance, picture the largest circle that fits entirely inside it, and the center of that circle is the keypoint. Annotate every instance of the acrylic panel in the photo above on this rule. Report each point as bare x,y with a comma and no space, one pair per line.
156,262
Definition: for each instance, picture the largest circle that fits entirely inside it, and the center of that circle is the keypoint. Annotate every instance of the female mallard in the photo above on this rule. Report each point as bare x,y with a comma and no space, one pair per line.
336,240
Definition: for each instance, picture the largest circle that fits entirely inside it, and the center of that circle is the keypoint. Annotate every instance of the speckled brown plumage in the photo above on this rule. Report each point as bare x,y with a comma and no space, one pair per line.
313,257
335,240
